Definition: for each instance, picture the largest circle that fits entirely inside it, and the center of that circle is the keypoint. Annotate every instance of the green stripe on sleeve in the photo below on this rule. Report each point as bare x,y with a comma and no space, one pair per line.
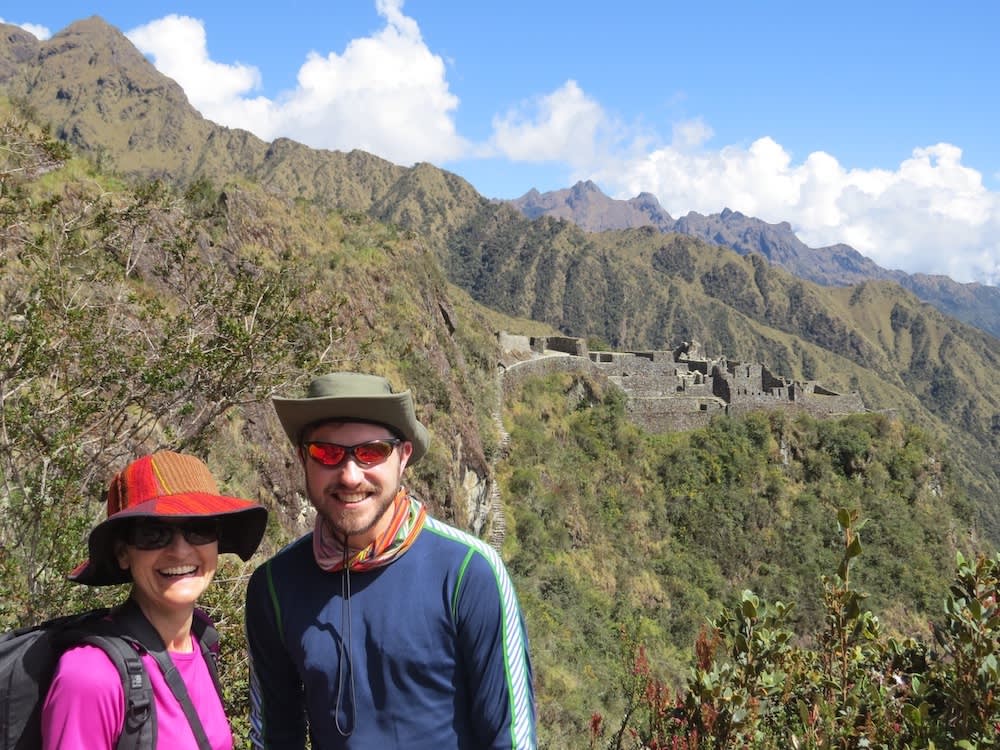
274,601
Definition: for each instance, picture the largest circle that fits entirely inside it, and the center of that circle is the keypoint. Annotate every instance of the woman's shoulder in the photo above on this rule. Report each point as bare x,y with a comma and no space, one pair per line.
85,705
87,667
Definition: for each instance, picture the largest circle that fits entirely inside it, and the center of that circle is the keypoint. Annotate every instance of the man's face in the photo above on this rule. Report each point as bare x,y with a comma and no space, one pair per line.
354,500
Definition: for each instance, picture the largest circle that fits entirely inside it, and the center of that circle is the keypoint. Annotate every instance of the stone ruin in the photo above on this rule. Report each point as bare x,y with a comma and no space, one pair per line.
674,390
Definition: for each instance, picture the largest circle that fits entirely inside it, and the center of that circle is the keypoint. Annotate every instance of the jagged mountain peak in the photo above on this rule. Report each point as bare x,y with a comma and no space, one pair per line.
587,206
100,94
646,199
102,49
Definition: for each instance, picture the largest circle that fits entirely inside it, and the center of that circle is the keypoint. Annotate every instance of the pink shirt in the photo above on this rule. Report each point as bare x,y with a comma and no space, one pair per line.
85,707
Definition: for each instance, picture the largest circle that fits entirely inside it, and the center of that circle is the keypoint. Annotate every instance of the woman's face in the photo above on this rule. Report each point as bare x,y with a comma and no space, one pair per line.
172,563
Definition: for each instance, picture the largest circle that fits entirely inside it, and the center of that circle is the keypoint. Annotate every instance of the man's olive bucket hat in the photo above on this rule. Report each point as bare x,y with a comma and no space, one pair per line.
353,397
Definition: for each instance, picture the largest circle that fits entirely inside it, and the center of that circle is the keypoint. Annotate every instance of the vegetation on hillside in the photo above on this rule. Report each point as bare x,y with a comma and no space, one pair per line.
122,329
754,685
610,527
640,289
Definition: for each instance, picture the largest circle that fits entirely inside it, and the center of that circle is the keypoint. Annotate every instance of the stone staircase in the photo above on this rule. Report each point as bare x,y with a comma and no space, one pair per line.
498,528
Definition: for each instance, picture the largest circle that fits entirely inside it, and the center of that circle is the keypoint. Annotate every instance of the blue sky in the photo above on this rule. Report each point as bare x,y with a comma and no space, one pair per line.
869,123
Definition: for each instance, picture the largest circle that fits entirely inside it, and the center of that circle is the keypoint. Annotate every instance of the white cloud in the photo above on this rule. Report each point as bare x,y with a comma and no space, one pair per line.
179,49
386,94
564,126
931,214
40,32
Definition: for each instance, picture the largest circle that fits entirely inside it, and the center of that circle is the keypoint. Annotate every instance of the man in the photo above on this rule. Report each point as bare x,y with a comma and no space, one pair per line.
382,628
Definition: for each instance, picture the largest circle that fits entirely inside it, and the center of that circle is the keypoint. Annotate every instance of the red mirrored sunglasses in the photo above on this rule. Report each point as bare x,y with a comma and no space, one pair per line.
370,453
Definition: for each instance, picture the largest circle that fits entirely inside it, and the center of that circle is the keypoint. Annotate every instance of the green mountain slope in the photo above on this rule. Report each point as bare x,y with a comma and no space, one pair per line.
611,527
837,265
99,94
642,289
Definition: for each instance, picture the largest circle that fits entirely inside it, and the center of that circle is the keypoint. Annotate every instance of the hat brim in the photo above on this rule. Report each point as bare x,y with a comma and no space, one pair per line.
395,410
241,527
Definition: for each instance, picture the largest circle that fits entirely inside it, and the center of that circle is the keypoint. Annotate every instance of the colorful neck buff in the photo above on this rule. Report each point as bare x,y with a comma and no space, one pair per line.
408,516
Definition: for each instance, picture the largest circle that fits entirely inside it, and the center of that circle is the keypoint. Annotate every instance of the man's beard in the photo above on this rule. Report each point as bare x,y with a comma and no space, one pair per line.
342,520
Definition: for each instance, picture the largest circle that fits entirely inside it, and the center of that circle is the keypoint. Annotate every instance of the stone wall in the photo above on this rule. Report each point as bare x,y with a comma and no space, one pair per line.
675,390
565,345
673,413
513,375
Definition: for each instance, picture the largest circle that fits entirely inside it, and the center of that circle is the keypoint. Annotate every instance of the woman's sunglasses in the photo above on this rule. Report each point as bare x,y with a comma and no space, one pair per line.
150,535
365,454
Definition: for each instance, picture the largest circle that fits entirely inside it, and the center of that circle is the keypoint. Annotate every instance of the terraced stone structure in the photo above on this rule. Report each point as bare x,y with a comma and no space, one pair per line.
674,390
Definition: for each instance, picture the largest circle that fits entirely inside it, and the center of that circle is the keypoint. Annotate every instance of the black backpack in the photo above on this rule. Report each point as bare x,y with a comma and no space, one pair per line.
29,655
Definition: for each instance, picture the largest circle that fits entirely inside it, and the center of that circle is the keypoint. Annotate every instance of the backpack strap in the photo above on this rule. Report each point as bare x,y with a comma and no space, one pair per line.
132,621
140,713
208,639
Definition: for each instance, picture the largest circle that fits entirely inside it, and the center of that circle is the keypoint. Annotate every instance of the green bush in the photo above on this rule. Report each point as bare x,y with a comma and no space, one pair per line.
756,685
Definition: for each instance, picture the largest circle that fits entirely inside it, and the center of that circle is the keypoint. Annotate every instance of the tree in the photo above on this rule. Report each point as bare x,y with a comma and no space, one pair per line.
122,331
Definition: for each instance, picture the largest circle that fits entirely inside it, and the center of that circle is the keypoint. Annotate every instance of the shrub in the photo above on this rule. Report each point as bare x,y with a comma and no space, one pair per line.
757,684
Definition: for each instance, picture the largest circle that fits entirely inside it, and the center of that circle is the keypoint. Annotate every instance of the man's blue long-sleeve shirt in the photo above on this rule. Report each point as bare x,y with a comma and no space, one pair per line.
427,652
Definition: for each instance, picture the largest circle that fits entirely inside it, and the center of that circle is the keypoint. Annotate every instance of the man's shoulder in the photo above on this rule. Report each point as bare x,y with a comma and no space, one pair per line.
460,541
291,555
452,534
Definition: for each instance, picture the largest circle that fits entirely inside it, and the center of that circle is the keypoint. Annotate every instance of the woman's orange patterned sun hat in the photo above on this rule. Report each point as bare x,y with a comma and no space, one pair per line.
171,486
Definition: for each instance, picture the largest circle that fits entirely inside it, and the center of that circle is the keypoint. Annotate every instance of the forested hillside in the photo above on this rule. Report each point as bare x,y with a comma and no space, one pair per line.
620,538
838,265
642,289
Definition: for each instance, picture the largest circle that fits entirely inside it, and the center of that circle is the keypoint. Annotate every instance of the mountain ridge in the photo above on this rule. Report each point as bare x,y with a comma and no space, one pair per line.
177,144
587,206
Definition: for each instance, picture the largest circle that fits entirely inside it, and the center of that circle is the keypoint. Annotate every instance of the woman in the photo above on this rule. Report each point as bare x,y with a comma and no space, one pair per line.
166,525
